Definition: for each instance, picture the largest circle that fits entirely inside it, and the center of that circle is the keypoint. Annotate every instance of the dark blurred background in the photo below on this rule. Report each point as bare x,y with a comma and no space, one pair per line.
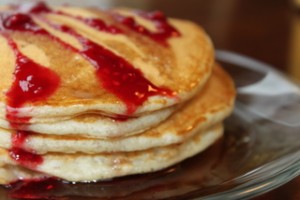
267,30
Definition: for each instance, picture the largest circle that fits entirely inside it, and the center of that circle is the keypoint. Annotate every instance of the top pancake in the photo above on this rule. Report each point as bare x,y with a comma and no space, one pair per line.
182,65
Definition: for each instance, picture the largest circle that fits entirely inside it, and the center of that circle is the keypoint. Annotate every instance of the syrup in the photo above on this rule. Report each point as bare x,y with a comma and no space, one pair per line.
34,82
25,158
20,22
100,25
164,29
19,138
115,74
33,189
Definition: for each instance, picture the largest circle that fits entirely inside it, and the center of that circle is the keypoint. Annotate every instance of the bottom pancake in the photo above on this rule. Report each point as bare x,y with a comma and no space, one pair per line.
91,167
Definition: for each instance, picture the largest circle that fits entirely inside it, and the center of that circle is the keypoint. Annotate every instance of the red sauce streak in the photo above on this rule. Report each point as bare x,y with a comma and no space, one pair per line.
26,158
36,8
20,22
120,77
164,29
19,138
116,74
23,157
95,23
32,82
100,25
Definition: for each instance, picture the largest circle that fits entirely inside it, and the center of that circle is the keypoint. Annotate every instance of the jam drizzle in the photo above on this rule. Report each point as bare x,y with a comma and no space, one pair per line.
95,23
115,74
23,157
164,29
34,82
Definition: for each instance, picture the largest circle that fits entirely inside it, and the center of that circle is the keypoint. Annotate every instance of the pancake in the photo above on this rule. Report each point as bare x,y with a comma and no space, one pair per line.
73,167
95,125
209,107
58,48
89,95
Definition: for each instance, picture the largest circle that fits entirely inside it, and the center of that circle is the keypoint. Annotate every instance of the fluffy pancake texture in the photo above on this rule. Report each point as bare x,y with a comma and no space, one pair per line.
80,90
208,107
96,126
89,94
72,167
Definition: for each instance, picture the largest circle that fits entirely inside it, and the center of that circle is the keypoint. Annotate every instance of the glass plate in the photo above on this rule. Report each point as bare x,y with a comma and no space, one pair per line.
259,151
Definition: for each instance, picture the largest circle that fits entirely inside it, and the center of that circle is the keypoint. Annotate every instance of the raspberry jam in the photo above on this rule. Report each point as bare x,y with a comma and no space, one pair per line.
25,158
115,74
164,29
21,155
34,82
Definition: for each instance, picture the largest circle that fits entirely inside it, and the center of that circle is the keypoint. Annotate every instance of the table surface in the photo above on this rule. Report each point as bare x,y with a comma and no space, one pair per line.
267,30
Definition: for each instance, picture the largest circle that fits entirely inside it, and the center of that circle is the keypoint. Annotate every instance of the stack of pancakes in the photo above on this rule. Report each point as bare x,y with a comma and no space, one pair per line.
85,132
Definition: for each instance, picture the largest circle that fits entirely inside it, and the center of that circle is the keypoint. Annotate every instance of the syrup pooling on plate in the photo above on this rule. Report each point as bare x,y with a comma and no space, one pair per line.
34,189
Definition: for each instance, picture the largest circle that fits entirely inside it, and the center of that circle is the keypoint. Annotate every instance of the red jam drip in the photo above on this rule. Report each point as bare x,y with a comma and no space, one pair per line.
19,138
115,74
164,29
35,8
20,22
95,23
100,25
20,155
32,81
26,158
120,77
